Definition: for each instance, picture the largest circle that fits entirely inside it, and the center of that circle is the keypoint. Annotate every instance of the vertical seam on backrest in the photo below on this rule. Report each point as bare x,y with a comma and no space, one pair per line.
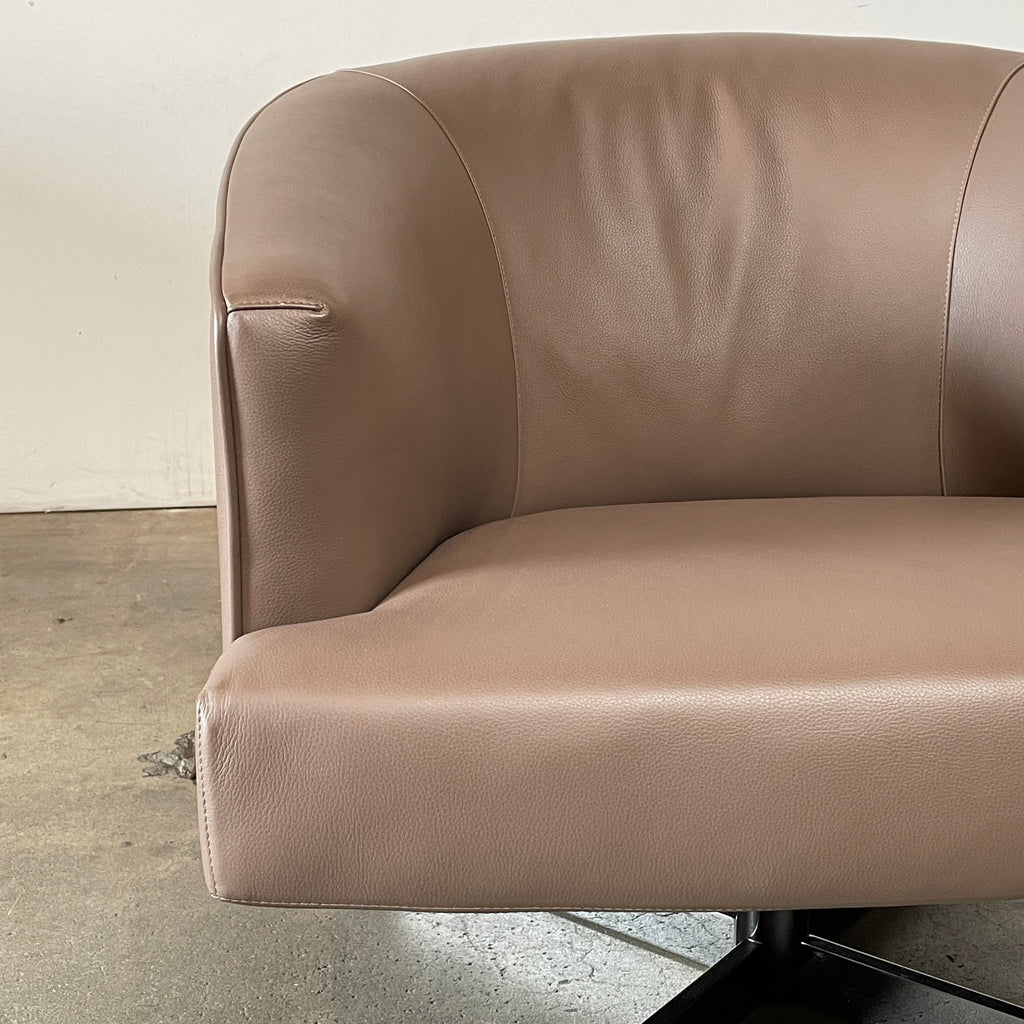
964,183
497,255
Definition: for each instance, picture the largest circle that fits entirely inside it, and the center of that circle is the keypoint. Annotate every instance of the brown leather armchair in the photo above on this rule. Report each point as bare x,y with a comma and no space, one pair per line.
621,449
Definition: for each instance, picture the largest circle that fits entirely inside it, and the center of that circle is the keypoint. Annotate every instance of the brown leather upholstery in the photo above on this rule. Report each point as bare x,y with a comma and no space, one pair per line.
364,352
538,300
983,415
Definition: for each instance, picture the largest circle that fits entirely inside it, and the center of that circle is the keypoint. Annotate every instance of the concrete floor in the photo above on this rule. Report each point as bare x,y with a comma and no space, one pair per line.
108,627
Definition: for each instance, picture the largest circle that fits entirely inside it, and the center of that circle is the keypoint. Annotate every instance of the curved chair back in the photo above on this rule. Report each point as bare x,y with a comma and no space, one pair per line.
611,271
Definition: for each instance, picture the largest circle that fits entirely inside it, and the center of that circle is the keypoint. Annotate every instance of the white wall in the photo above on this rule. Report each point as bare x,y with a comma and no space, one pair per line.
115,120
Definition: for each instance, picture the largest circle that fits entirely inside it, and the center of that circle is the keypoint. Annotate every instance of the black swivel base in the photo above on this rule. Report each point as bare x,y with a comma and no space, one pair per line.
769,964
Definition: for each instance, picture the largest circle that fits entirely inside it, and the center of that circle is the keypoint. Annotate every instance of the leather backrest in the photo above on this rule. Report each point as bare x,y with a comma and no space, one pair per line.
498,281
729,259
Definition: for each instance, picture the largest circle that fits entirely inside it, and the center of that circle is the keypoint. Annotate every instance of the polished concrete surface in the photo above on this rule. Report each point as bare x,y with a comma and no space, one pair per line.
108,626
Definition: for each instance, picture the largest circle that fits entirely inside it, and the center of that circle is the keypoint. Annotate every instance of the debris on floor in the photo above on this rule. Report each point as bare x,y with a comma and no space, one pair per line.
180,761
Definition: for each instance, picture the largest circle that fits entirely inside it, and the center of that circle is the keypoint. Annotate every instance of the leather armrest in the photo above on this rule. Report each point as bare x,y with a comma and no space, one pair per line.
366,395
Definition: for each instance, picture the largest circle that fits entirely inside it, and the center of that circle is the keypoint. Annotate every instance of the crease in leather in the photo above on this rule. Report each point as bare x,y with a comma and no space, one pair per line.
255,307
494,242
560,164
964,185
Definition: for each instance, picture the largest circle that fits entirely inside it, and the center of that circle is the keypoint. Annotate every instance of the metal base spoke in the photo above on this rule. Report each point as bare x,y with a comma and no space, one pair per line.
726,992
764,968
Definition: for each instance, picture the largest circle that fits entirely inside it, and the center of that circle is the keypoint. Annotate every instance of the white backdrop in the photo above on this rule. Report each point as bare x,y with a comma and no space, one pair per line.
115,120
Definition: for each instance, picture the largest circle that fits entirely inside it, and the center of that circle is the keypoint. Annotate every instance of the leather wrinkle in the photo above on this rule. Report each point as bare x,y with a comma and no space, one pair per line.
965,183
494,242
763,144
253,307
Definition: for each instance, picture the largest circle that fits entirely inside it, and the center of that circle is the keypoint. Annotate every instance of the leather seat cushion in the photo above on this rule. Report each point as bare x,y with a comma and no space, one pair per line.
725,704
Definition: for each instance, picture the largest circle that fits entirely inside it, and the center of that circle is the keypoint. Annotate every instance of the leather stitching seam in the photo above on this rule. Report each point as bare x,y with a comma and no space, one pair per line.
476,910
497,255
201,781
961,197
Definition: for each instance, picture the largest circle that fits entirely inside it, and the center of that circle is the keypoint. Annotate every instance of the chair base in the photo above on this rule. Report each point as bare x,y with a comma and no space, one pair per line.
770,963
